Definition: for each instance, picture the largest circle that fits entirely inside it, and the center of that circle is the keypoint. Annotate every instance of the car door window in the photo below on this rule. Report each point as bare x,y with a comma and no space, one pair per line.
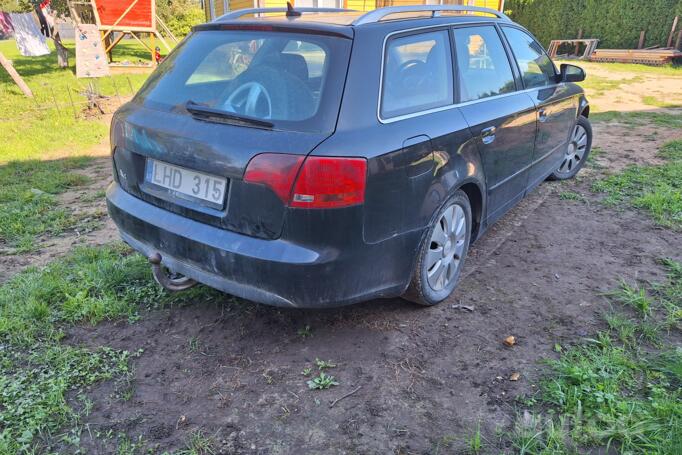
417,74
484,68
537,70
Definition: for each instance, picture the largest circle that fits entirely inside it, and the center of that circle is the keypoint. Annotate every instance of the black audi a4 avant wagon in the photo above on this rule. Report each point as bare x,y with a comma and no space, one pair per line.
320,157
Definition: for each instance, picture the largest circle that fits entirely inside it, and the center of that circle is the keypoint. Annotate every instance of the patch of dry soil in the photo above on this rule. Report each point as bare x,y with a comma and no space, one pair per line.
633,88
623,145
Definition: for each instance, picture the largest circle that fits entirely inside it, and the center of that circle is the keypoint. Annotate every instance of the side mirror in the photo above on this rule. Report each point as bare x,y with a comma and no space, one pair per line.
571,73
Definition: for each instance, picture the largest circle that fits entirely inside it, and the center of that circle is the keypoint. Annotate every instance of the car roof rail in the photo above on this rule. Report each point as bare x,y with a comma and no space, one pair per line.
233,15
378,14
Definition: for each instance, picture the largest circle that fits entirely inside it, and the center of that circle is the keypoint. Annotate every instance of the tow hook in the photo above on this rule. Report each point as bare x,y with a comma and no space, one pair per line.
163,276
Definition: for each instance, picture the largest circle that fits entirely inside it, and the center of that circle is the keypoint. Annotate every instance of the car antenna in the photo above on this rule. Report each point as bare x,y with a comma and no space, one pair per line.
291,12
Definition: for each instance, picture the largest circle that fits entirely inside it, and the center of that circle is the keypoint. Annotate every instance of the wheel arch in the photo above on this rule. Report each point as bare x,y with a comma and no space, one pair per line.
475,195
584,108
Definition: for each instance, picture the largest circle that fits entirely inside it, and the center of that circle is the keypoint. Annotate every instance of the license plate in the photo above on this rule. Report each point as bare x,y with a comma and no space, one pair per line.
186,182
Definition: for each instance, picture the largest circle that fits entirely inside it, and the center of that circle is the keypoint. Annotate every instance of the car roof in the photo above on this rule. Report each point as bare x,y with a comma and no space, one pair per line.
347,18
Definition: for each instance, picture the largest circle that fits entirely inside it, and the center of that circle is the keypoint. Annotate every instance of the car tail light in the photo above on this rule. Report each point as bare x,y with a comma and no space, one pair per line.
275,170
322,182
326,182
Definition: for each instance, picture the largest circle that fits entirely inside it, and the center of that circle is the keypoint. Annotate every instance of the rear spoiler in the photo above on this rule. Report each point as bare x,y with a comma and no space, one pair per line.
310,28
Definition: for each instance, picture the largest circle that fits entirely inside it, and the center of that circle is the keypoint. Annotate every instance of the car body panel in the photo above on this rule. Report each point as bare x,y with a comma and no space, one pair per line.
507,154
140,133
557,108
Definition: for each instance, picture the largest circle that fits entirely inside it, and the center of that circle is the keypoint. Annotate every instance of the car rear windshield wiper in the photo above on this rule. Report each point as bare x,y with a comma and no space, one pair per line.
212,114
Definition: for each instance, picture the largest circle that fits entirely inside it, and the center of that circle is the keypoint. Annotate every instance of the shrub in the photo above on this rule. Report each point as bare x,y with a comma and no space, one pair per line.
616,23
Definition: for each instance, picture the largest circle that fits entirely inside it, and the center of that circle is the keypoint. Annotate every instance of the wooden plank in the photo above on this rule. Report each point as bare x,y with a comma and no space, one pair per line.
577,45
120,18
642,36
672,31
15,76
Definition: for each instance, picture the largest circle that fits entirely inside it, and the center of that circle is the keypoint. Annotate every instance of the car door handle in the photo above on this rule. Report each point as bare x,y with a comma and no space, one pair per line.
542,115
488,134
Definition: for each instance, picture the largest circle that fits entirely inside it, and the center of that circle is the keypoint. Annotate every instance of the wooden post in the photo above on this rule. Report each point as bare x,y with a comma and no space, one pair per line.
15,76
642,36
672,31
678,41
577,45
152,47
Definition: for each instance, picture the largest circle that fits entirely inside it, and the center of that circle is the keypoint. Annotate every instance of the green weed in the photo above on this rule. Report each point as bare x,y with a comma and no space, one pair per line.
193,344
634,297
322,381
571,196
475,441
199,443
324,364
305,332
534,435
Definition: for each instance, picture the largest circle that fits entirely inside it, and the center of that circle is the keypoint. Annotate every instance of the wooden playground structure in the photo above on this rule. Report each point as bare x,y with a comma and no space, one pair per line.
117,19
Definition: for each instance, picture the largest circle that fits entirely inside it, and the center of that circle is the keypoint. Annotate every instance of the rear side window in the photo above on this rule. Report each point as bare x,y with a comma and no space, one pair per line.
483,65
537,70
417,74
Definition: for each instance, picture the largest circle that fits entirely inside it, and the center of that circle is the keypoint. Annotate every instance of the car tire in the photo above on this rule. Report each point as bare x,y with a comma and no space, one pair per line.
443,251
577,151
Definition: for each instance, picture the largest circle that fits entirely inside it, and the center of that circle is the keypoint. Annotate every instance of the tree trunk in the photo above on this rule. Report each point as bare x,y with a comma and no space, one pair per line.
62,53
15,76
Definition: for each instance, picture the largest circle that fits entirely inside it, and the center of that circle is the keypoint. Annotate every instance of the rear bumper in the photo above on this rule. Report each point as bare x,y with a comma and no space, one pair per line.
275,272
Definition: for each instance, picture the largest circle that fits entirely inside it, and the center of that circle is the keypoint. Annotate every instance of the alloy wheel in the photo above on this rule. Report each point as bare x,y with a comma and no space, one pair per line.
446,248
575,151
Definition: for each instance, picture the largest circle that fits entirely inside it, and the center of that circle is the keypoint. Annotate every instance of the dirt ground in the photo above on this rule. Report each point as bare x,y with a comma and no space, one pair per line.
412,380
424,374
632,88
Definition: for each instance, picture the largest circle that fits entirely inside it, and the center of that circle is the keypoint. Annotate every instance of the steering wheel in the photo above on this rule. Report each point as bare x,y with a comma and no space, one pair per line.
414,73
250,98
409,63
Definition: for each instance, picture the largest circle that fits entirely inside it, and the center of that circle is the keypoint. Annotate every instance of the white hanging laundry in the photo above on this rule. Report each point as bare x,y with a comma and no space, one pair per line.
30,41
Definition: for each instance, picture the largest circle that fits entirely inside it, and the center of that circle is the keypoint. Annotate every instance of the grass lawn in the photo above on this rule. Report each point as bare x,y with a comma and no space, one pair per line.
31,133
39,148
656,189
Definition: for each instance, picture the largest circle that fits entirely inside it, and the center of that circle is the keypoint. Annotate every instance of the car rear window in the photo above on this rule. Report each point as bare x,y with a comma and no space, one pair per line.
291,80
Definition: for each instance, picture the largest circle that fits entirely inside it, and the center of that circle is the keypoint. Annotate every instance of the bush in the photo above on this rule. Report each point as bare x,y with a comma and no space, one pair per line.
616,23
180,15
